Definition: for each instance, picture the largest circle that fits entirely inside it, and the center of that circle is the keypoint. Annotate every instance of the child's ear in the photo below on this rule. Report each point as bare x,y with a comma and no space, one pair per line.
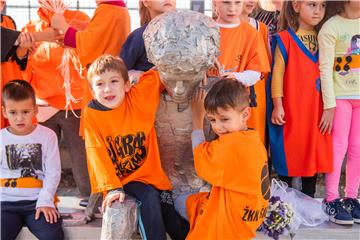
247,113
127,86
3,110
36,109
296,6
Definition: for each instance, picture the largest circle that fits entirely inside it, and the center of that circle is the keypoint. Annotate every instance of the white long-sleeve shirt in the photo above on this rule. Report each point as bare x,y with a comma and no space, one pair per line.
33,155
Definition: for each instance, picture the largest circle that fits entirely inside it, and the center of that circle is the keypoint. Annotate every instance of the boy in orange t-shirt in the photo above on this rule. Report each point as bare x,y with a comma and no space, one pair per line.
235,164
121,145
243,56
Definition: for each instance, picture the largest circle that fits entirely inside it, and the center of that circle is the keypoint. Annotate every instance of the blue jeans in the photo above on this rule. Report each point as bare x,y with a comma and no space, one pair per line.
15,215
157,211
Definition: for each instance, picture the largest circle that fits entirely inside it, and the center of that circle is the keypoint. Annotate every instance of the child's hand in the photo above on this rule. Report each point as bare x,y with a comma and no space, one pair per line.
326,122
26,40
197,108
278,115
112,197
51,214
59,22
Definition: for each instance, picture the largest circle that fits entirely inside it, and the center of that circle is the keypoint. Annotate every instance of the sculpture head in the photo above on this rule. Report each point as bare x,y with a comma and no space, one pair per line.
182,45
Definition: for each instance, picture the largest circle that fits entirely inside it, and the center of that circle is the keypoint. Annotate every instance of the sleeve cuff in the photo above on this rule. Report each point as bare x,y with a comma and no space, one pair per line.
197,137
70,37
45,199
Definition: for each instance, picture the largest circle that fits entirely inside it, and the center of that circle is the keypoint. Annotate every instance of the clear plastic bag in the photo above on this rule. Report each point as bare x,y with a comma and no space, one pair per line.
120,220
307,210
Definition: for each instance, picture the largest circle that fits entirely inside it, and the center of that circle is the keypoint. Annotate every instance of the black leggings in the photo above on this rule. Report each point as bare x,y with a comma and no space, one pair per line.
308,184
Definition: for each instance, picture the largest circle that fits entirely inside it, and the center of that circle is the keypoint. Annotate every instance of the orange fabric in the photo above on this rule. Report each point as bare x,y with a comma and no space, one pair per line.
25,182
242,48
257,118
121,143
9,70
105,34
236,166
42,69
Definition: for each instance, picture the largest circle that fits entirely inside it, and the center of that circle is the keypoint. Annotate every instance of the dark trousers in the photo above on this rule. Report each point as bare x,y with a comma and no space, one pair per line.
157,211
15,215
76,145
308,184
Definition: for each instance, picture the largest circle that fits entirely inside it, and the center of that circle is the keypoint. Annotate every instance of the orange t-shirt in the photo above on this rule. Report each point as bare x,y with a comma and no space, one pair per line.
121,143
236,166
10,70
43,67
242,48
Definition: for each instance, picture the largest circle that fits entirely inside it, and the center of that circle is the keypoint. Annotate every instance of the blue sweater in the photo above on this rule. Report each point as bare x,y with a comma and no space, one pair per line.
133,51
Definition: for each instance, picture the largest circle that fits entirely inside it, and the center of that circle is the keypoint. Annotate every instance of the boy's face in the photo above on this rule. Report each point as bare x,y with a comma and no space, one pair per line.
109,88
229,120
20,115
228,11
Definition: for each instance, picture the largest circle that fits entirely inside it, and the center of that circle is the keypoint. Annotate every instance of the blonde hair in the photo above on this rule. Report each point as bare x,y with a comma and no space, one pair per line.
107,63
144,13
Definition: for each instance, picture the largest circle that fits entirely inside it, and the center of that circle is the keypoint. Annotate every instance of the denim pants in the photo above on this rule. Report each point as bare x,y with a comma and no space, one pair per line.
15,215
157,212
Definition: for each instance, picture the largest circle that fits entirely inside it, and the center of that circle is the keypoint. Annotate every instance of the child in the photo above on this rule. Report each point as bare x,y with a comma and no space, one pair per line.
235,165
30,168
297,146
339,73
244,59
45,76
133,51
121,145
257,120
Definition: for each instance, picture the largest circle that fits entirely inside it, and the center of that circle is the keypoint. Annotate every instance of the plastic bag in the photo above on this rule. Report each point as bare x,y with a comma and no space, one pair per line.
307,210
120,220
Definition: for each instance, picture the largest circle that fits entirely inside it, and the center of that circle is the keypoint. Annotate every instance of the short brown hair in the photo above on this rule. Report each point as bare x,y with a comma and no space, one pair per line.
106,63
17,90
226,93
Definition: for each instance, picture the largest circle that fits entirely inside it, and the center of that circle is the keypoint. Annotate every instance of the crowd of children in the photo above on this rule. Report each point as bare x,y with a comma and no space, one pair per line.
288,91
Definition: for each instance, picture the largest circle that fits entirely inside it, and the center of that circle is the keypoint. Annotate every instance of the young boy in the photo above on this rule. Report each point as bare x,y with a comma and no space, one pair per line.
30,168
235,164
243,58
121,145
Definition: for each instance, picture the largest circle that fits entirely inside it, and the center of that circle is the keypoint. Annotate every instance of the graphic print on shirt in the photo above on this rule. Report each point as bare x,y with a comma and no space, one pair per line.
26,157
348,66
127,153
310,41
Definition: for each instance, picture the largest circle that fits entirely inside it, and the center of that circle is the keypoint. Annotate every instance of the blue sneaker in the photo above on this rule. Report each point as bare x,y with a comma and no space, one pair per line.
337,212
353,207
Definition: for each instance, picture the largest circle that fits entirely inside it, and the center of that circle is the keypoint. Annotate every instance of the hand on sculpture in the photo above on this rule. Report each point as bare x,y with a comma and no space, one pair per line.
59,22
134,76
197,108
51,214
112,197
